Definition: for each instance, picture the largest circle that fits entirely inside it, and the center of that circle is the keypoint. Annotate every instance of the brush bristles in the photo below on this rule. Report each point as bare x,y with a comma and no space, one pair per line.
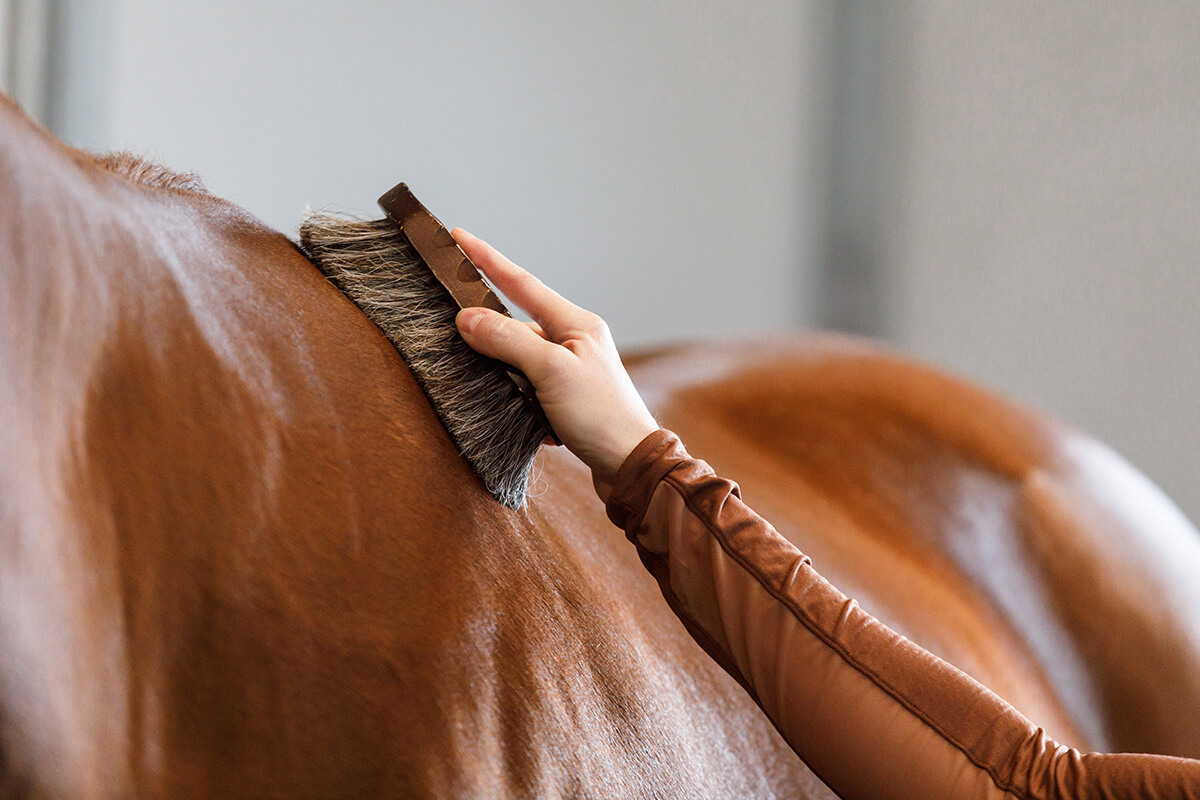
373,264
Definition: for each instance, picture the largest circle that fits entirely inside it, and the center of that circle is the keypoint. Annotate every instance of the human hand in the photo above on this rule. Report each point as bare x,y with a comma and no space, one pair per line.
568,355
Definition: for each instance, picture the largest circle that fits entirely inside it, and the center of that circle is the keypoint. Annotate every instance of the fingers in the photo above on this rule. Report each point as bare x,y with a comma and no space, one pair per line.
549,309
498,336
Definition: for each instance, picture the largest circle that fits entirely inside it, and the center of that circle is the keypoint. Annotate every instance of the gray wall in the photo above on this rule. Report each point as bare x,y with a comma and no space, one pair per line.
1042,226
647,157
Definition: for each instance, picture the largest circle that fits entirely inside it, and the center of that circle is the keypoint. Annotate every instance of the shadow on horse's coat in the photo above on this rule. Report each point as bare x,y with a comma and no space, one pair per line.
240,556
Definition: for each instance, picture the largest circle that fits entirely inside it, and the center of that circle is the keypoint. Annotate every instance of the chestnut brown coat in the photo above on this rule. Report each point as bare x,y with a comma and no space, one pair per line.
239,557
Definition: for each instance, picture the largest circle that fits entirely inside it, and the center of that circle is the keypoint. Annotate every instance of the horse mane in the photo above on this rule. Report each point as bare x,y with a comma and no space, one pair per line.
142,170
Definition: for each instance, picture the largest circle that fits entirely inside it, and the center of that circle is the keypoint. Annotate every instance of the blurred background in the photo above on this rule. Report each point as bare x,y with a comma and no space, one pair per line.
1010,191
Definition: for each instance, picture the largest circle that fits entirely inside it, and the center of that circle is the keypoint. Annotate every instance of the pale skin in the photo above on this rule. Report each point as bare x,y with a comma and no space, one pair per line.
569,356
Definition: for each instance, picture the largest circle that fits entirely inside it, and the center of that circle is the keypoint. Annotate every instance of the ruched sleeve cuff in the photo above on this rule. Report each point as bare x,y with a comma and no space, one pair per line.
640,474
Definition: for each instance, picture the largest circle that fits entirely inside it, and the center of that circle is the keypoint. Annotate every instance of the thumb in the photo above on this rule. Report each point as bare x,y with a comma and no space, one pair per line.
500,336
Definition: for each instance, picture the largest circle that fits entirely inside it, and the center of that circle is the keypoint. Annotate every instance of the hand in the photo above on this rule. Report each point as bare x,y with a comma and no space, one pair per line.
568,355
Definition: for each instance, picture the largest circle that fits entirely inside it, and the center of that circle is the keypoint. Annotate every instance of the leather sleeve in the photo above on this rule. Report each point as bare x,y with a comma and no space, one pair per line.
871,713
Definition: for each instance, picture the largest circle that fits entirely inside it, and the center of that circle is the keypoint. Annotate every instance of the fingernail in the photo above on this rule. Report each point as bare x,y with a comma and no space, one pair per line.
469,318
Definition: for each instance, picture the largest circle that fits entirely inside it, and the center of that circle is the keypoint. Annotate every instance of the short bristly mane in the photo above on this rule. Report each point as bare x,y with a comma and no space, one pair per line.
144,171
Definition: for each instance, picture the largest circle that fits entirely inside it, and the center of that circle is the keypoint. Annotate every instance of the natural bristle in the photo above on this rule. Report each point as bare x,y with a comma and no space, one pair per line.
374,265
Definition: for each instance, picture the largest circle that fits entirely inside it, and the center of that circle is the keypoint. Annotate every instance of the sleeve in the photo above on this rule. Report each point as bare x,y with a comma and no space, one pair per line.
871,713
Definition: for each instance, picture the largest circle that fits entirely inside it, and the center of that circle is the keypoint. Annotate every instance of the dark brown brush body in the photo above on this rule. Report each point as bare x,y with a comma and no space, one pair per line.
489,410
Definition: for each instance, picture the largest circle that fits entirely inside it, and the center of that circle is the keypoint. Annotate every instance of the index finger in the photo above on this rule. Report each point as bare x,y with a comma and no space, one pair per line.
553,312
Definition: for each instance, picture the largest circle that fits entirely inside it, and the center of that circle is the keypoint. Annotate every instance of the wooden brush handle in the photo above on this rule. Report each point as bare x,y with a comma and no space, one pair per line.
450,265
439,251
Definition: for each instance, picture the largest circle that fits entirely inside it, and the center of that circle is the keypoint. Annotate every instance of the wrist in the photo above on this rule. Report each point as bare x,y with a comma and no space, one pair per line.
608,462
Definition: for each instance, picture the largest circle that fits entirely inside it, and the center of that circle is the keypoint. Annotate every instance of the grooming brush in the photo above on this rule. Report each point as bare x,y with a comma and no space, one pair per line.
410,278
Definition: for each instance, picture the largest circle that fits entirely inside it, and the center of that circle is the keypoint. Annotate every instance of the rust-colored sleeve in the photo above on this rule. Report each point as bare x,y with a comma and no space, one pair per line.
871,713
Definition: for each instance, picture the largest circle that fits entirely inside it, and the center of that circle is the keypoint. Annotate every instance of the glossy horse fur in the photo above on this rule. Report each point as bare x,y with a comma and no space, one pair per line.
240,557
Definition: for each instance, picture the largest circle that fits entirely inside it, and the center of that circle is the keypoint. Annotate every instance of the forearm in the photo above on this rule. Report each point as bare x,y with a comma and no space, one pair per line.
870,712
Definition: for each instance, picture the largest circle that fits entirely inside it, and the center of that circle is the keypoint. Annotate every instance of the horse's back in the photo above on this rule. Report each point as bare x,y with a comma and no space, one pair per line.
1019,549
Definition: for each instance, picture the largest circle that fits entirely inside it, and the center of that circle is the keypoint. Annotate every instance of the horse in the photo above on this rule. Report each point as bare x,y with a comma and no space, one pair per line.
239,555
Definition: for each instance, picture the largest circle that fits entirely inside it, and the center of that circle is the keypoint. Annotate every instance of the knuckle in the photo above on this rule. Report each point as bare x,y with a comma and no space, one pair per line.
560,361
498,330
490,328
595,327
526,278
550,365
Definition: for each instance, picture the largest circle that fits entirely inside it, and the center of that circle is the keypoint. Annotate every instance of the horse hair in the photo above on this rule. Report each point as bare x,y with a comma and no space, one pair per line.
143,170
374,265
